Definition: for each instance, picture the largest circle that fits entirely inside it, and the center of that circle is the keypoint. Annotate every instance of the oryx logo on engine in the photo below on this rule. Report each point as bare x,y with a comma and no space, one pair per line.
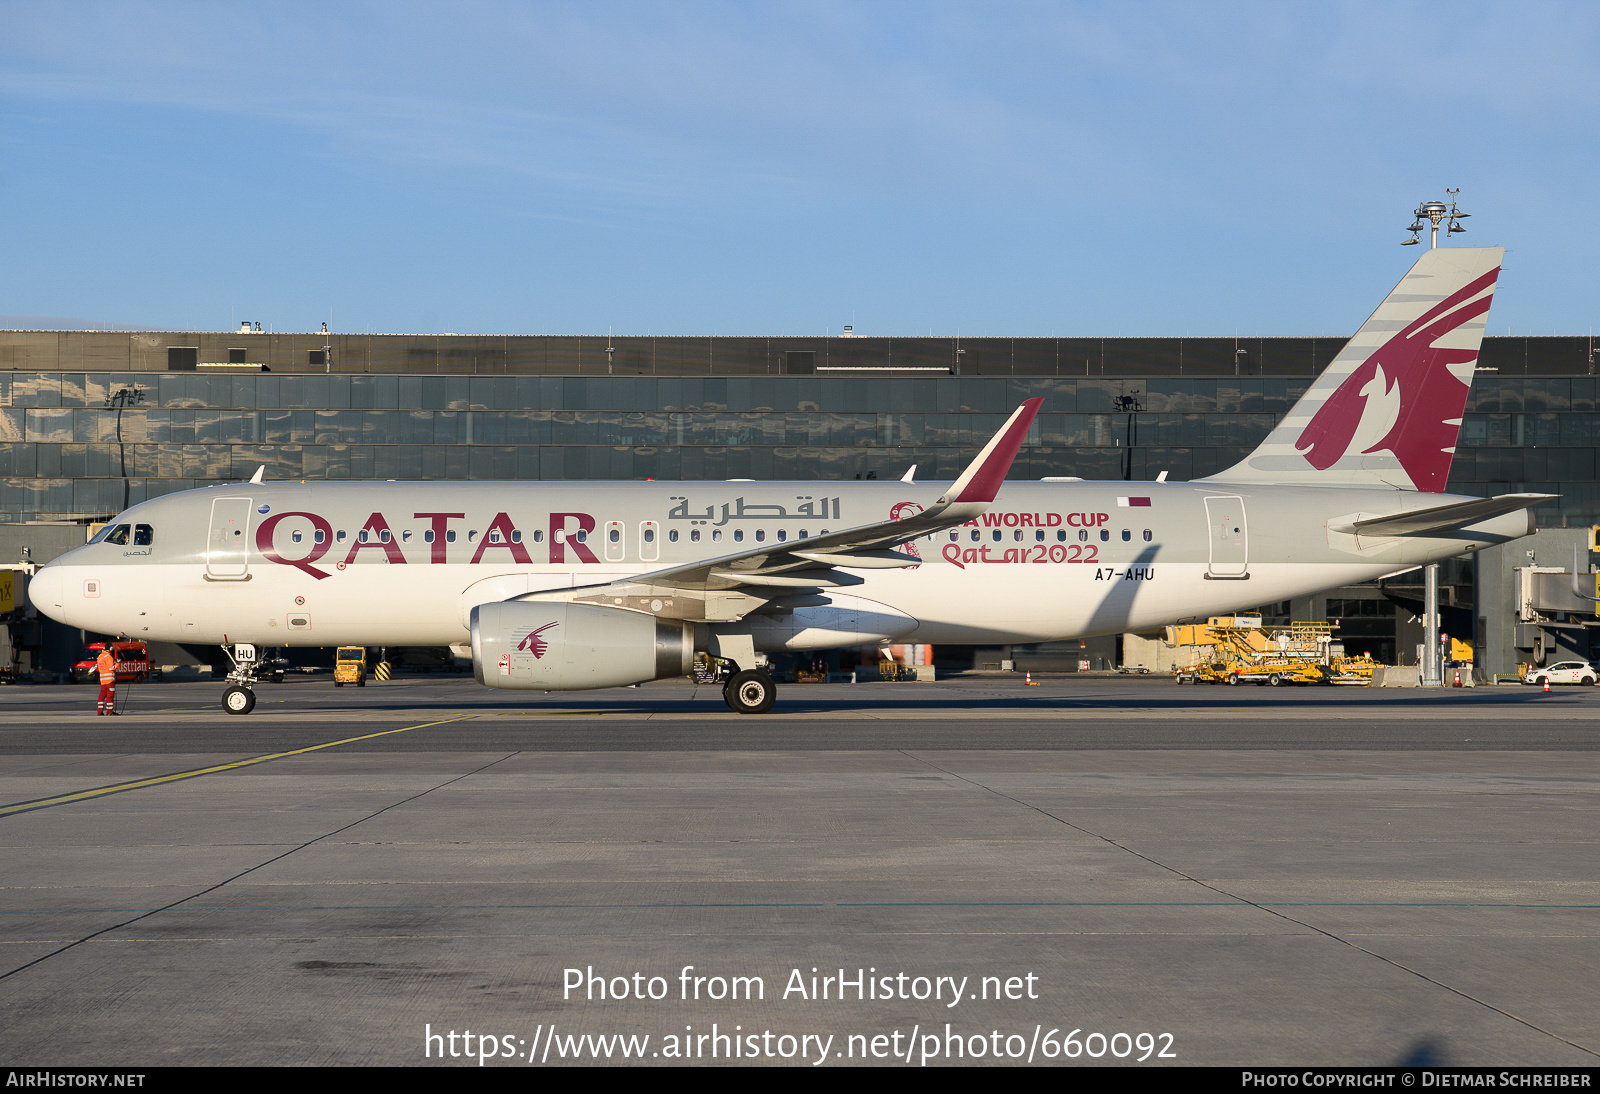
532,643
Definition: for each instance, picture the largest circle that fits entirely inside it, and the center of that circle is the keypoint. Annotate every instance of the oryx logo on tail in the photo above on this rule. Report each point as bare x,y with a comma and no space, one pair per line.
1404,397
1386,411
532,643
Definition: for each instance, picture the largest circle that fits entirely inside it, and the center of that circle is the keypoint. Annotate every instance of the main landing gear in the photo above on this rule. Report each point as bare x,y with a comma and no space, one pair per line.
750,692
746,691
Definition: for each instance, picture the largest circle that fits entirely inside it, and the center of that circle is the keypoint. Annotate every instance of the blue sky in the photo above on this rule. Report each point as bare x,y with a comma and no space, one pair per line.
685,168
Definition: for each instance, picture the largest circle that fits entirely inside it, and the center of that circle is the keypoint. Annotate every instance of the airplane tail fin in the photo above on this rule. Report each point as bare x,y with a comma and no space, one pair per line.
1387,410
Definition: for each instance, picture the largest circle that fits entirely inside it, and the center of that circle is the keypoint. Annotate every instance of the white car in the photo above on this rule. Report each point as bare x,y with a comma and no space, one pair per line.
1566,672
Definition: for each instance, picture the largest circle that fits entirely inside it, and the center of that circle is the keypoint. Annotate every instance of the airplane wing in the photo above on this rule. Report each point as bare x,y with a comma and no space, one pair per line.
732,585
1442,518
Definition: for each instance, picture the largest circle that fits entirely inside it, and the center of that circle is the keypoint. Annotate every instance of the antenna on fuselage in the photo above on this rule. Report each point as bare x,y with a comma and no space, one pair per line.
260,472
910,475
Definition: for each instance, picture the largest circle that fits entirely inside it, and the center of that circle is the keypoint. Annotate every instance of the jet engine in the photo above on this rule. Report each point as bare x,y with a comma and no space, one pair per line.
558,646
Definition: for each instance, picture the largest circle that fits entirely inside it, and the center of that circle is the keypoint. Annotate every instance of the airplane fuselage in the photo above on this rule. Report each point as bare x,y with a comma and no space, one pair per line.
404,563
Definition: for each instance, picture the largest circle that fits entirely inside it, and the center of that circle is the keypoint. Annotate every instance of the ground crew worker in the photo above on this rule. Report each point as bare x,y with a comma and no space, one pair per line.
107,664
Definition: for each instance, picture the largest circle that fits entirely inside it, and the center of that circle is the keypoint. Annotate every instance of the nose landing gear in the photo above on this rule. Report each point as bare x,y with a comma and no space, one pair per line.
238,700
240,697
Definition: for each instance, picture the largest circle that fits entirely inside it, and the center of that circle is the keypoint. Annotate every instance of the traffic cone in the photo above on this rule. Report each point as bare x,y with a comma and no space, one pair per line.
1547,685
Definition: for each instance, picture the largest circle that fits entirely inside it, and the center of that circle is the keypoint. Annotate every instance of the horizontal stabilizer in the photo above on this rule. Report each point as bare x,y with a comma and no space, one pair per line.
1444,518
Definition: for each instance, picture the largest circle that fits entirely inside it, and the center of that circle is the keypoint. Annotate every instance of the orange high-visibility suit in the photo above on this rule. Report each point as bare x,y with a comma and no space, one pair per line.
107,664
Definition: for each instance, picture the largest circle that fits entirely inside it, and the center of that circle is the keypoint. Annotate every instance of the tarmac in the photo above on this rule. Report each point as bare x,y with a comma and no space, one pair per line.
1091,871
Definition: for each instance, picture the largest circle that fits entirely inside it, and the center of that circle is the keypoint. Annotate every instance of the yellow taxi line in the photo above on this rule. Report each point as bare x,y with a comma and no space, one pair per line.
84,795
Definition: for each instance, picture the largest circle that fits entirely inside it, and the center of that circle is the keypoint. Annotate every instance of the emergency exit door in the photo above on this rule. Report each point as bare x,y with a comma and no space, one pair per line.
1230,539
228,542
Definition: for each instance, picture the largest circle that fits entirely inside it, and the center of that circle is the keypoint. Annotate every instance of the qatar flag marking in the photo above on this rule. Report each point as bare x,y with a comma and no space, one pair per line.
1133,503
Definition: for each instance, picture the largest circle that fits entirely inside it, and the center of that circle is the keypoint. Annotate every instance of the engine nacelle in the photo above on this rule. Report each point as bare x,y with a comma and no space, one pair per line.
559,646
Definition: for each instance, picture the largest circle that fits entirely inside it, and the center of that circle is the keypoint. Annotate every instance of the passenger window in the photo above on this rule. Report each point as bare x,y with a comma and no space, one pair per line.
802,533
339,536
1105,534
1038,535
672,536
1126,535
319,536
1017,535
494,535
761,535
782,535
1083,536
738,535
427,537
538,537
716,537
997,535
361,536
143,535
449,536
516,535
1061,535
694,536
384,536
1147,535
296,536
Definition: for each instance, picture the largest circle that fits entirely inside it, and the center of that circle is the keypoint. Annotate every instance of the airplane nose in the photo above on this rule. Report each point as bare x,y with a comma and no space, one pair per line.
44,590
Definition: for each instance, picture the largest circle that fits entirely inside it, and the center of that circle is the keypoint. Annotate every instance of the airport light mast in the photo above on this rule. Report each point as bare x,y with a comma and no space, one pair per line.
1432,656
1435,211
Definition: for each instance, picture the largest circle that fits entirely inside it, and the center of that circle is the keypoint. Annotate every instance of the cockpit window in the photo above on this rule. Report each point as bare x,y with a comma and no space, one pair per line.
143,535
118,535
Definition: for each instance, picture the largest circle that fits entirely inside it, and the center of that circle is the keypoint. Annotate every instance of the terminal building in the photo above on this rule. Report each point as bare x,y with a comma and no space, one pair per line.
94,421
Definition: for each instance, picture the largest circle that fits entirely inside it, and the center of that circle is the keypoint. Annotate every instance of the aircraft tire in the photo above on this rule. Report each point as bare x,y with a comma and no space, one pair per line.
750,692
237,700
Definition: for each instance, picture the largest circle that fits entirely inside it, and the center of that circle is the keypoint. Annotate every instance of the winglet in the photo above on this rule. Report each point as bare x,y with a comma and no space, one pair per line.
980,482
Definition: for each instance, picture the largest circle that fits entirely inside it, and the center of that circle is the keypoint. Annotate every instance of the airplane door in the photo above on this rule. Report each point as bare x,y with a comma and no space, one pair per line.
614,541
649,541
1230,539
228,543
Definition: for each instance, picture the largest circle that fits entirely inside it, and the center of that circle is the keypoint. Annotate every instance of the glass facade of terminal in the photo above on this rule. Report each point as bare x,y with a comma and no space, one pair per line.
84,444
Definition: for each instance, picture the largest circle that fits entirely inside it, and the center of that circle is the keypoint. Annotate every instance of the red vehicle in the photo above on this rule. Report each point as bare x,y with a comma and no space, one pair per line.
133,662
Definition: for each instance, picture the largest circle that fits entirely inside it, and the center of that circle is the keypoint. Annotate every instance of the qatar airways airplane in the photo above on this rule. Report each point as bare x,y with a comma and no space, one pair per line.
573,585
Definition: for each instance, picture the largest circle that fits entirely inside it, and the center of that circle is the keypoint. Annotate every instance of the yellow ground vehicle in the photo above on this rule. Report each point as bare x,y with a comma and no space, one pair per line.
1238,650
350,666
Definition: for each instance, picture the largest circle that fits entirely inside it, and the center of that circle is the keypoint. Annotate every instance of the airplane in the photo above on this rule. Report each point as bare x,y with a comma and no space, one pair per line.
578,585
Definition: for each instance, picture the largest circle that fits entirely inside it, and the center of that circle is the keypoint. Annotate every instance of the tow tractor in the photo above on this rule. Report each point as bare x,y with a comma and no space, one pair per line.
350,666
